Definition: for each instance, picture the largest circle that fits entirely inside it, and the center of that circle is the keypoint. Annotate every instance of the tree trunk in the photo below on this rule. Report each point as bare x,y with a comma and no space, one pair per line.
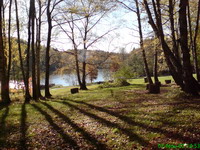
9,41
155,71
4,29
47,91
38,47
195,57
142,45
77,66
174,65
3,64
190,28
174,40
189,81
20,53
34,84
27,92
83,86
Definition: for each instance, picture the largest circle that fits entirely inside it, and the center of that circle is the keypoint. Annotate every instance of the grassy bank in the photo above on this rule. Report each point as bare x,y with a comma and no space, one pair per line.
112,118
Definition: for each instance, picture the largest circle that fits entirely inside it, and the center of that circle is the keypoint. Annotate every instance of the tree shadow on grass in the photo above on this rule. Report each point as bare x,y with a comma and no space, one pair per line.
186,113
23,128
138,85
169,134
3,130
132,136
3,105
174,104
87,135
66,138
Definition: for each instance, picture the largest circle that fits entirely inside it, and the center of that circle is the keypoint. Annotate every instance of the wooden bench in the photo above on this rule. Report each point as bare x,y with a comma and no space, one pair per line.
167,81
74,90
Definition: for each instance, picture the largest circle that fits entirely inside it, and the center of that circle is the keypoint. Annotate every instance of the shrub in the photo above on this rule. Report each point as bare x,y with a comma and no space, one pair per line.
106,85
122,82
177,93
117,83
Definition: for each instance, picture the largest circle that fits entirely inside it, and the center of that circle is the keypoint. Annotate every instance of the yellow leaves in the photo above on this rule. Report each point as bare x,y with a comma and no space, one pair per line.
88,7
84,11
73,10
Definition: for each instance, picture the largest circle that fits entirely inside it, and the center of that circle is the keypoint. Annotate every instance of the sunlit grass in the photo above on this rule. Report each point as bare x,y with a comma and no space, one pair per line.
141,80
120,118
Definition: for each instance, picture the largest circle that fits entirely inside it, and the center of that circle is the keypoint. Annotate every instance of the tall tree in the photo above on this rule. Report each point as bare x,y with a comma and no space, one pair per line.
27,93
38,46
181,72
175,48
82,18
32,17
47,59
49,12
25,78
155,70
153,88
3,63
187,67
194,44
9,40
142,44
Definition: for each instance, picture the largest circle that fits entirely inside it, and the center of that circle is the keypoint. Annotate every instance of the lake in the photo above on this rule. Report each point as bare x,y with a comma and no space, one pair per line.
71,79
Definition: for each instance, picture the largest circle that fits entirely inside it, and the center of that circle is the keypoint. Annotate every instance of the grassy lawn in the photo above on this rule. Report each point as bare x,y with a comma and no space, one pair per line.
123,118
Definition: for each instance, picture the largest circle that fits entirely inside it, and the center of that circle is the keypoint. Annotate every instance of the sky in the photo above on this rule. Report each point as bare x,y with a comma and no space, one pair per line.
125,36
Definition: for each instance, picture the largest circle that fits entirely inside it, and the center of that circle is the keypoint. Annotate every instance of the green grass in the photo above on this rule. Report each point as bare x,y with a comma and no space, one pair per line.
141,80
122,118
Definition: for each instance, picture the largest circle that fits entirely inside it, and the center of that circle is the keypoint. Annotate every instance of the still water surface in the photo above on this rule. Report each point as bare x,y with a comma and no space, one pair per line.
71,79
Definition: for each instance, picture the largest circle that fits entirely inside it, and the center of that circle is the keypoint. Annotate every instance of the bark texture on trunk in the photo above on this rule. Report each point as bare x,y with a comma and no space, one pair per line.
34,84
77,66
38,47
174,65
172,27
182,73
155,70
27,94
189,81
3,64
47,59
9,41
195,57
142,44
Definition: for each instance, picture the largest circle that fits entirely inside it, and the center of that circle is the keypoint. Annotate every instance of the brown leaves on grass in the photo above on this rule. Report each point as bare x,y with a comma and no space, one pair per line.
138,121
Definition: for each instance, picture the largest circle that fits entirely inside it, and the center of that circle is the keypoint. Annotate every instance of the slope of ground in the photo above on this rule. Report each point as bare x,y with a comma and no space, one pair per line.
113,118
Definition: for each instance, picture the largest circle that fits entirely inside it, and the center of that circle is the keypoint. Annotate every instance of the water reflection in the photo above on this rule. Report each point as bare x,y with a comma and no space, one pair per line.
71,79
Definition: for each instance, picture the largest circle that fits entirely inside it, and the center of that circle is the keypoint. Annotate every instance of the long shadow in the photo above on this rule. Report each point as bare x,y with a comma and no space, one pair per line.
132,136
23,128
172,103
66,138
176,136
88,137
176,109
3,105
138,85
194,106
3,131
